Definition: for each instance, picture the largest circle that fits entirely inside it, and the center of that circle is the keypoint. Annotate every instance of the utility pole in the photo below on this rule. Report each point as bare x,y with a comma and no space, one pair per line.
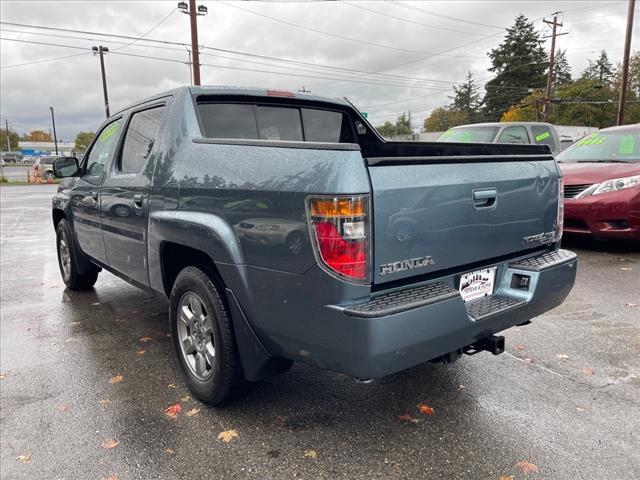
547,97
193,13
6,123
55,137
101,51
624,83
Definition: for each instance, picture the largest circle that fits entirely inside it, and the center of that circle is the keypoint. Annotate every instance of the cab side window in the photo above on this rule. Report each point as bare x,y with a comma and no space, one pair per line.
542,136
98,158
515,134
139,139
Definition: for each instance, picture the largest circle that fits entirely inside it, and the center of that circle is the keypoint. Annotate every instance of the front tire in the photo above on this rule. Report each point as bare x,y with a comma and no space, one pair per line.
203,338
72,277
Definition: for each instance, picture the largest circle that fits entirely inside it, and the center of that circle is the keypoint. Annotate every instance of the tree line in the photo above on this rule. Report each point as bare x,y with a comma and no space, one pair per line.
516,92
82,141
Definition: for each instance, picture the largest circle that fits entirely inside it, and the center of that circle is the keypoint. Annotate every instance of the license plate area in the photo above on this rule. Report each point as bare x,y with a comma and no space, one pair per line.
477,284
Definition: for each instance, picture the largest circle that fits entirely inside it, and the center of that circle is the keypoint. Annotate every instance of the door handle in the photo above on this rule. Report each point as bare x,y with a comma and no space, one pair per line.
484,198
138,199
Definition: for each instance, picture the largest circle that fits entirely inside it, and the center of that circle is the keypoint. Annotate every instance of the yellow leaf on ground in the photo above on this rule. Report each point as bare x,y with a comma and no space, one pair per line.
562,356
144,339
110,443
426,409
62,408
169,451
626,269
186,398
24,458
527,467
116,379
172,385
141,352
105,401
227,435
193,411
311,454
506,477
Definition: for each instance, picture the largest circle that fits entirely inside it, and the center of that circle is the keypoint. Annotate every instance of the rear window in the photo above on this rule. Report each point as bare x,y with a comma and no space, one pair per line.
264,122
469,135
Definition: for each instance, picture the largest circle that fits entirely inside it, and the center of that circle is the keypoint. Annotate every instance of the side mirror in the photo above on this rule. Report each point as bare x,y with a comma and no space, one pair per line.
65,167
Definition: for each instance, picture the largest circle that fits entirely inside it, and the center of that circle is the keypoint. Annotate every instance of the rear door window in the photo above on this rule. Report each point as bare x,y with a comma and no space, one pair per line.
542,136
516,134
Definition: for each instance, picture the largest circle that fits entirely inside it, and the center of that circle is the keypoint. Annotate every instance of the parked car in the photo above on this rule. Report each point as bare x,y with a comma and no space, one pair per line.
602,184
43,166
537,133
172,189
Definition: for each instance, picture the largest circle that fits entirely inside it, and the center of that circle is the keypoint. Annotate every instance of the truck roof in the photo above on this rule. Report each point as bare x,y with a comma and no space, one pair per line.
500,124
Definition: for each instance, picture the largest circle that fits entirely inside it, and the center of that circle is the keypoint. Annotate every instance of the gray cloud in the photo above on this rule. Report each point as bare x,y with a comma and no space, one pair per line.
72,85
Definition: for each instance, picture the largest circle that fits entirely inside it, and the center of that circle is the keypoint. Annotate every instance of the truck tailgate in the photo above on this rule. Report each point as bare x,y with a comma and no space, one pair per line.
434,216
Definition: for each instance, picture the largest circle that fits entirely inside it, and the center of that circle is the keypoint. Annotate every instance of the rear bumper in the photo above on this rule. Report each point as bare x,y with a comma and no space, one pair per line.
393,335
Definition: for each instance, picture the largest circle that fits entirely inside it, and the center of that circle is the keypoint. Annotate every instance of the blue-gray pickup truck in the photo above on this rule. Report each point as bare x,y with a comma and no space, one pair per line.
283,228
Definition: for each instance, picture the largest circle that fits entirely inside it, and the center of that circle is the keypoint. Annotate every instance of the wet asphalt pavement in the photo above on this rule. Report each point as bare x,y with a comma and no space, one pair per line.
564,398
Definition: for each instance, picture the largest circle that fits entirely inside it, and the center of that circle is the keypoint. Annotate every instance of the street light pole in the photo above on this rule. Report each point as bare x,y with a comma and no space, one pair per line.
53,121
193,13
101,51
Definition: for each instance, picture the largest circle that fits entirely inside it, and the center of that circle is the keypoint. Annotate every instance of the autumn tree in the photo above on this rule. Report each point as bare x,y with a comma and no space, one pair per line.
14,138
83,139
442,119
38,136
519,63
466,98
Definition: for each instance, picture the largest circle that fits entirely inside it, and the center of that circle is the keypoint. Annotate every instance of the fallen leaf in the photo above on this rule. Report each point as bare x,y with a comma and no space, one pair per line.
626,269
588,371
632,305
95,303
562,356
172,385
408,418
110,443
141,352
227,435
105,401
116,379
527,467
144,339
426,409
62,408
169,451
24,458
506,477
311,454
3,375
520,347
580,409
74,324
110,477
193,411
186,398
172,411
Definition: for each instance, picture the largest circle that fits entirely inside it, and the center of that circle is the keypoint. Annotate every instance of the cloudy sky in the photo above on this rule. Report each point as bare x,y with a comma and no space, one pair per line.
386,56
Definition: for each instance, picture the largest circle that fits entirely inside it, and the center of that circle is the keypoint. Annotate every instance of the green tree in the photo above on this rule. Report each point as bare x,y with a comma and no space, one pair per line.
403,124
38,136
14,138
83,139
466,98
387,129
562,70
442,119
519,63
600,70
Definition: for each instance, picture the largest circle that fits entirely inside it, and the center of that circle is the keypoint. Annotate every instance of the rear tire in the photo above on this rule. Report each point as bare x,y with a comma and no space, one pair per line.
203,338
68,260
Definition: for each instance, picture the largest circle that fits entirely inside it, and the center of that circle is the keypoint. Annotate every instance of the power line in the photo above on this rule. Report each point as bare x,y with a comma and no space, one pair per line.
429,12
407,20
149,31
334,35
44,60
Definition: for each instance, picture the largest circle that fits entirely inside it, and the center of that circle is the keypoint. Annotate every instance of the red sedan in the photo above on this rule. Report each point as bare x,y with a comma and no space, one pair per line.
602,184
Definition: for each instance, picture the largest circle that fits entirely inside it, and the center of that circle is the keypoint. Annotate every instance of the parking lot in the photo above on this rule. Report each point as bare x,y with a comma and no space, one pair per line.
86,378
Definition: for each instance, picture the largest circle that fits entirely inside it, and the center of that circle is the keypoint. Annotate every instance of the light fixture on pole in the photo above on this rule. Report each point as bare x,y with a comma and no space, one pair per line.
193,13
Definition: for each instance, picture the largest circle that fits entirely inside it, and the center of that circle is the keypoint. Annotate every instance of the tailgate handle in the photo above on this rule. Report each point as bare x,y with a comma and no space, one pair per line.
484,198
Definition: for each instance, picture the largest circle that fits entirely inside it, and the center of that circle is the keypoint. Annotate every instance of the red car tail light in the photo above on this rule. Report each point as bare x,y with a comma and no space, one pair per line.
340,232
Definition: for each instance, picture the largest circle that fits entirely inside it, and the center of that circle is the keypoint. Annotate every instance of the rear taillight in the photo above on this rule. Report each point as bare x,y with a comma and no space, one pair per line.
340,232
560,218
